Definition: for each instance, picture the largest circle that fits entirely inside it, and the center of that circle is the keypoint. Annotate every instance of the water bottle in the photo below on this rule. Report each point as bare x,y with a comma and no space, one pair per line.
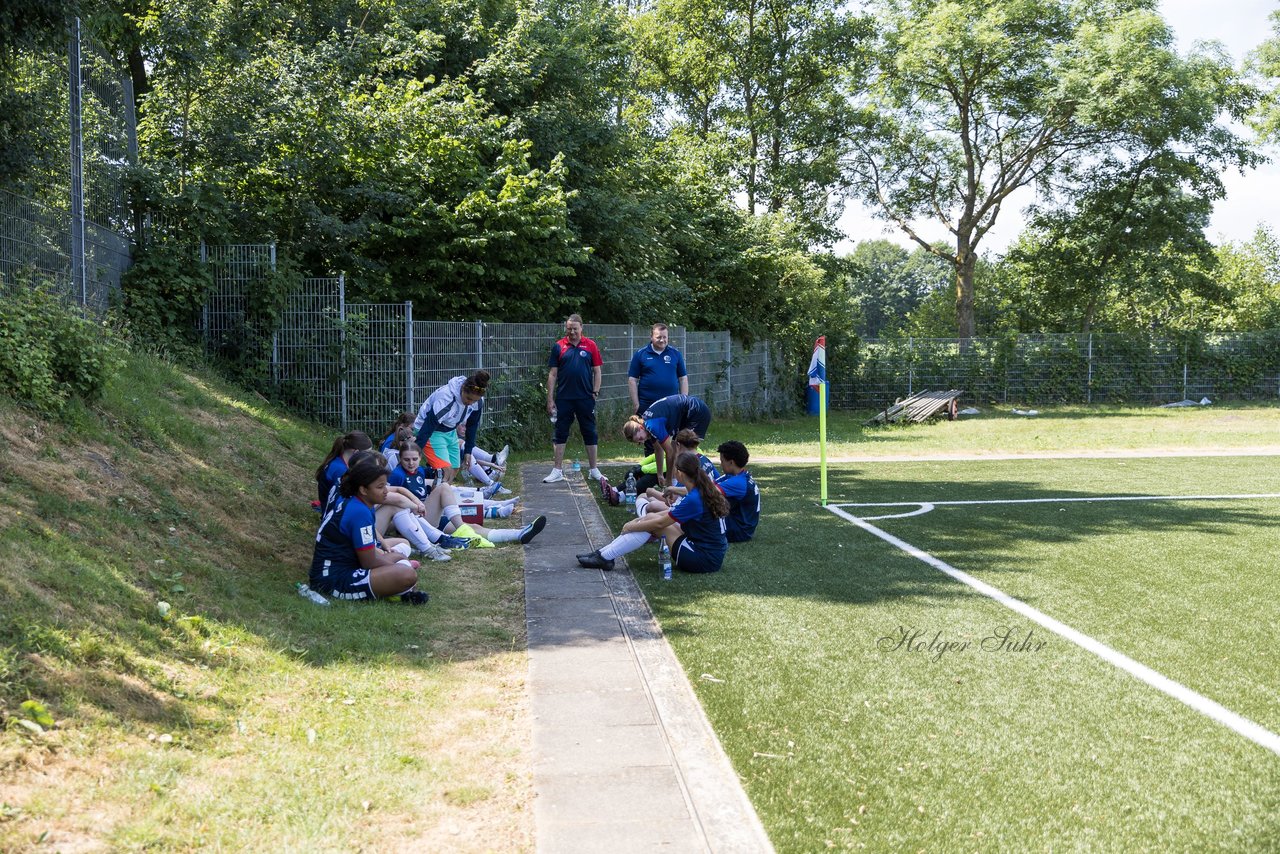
664,559
629,488
305,591
577,465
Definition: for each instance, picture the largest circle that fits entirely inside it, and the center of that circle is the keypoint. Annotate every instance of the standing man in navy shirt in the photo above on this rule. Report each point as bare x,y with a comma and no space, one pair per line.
573,384
657,370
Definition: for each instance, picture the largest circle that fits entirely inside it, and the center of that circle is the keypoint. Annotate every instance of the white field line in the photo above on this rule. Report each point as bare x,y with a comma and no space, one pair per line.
1243,726
987,456
931,504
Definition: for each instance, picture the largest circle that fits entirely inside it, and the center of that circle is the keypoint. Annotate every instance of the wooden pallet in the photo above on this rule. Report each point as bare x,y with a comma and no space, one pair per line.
920,407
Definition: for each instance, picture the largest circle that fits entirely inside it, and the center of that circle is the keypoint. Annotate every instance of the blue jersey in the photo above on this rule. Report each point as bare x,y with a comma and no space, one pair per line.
414,481
656,374
701,526
574,364
673,413
348,527
744,505
332,475
708,466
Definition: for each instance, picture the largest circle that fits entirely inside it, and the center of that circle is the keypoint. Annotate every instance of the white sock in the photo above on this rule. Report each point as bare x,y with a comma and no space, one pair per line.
479,473
481,455
407,524
450,512
642,502
503,535
624,544
402,548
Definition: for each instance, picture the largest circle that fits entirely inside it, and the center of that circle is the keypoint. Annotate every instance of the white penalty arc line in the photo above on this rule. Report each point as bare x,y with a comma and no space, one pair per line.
1243,726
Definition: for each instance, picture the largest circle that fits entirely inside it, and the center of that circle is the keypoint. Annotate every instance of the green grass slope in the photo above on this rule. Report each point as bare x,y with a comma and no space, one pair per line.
240,717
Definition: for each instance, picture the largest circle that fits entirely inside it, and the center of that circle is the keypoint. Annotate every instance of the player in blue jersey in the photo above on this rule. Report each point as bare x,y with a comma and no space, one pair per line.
662,421
739,487
335,464
457,403
348,562
694,528
687,441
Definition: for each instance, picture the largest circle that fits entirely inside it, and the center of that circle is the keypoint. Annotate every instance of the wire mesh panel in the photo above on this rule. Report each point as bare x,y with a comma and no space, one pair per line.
307,356
235,269
1243,366
707,358
378,365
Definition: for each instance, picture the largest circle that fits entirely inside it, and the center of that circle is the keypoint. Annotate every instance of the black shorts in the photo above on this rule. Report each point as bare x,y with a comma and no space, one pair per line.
686,557
584,409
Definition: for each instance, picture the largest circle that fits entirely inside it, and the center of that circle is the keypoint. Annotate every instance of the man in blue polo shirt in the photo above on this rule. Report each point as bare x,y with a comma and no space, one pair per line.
657,370
573,384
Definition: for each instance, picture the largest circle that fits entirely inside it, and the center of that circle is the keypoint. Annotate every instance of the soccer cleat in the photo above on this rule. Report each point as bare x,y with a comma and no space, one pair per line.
608,492
555,477
415,597
435,552
595,561
492,489
501,490
448,542
532,530
468,533
501,457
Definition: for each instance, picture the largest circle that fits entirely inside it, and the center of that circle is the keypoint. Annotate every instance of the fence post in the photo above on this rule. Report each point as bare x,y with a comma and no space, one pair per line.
79,275
911,367
1088,389
204,310
728,371
408,354
275,357
768,357
1184,371
479,345
342,357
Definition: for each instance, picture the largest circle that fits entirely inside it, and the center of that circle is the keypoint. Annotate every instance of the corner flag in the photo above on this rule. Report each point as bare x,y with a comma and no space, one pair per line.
818,381
818,364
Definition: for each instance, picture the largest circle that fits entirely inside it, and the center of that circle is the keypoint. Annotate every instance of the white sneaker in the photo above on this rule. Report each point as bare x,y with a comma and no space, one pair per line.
594,475
434,552
501,457
555,477
501,490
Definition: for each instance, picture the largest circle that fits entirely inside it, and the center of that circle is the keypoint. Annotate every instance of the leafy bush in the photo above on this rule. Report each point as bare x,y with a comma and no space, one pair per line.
162,296
50,353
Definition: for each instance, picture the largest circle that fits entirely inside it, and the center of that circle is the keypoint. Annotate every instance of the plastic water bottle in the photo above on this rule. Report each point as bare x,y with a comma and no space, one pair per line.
664,559
629,488
305,591
577,465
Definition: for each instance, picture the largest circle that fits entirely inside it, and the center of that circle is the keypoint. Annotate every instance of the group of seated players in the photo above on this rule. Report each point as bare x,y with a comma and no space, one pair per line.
698,512
381,507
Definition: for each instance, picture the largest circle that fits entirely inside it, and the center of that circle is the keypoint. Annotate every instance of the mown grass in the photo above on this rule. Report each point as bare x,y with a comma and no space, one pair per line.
845,742
245,718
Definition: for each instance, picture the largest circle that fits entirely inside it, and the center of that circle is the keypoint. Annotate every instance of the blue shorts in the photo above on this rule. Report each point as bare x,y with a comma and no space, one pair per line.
686,557
350,584
584,409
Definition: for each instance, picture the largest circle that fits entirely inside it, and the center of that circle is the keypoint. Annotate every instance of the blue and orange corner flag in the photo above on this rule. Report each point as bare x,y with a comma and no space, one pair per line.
818,364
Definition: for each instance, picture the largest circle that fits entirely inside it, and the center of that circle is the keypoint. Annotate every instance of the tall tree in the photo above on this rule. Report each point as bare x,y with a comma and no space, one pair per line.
972,101
1265,62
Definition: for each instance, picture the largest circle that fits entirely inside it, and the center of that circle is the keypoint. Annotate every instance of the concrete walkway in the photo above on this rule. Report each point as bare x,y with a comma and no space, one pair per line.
624,759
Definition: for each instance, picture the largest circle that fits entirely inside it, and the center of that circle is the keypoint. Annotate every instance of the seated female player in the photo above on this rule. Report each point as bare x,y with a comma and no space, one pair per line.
335,464
348,562
694,528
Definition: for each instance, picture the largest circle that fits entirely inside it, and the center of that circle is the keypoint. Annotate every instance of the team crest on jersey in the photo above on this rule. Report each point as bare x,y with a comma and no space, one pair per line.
583,353
666,359
366,534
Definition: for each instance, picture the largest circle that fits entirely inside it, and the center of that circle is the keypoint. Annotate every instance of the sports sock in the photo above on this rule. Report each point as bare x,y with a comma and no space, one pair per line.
480,474
504,535
624,544
450,512
407,524
402,549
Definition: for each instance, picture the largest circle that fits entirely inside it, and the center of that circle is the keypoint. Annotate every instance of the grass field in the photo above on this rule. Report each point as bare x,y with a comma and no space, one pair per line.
966,736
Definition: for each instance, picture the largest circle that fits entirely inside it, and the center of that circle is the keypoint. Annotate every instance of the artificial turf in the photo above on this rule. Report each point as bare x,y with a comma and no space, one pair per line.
847,739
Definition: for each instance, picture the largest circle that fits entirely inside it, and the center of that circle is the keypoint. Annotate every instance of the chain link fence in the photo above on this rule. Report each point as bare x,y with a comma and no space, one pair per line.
1048,369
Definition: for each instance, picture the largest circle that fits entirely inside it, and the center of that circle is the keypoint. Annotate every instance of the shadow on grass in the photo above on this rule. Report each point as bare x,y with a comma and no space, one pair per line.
805,553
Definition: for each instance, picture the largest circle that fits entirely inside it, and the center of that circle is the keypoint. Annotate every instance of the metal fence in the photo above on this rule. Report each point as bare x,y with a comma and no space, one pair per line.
1047,369
64,221
357,365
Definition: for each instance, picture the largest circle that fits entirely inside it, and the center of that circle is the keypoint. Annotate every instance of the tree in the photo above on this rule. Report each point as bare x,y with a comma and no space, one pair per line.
764,75
1250,273
887,283
1265,62
972,101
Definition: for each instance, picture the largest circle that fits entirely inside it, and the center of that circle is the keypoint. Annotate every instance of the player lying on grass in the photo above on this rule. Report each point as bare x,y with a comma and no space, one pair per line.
348,561
694,528
740,489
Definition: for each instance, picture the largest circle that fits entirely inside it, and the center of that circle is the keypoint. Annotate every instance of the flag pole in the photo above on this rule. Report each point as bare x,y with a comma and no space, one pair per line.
822,439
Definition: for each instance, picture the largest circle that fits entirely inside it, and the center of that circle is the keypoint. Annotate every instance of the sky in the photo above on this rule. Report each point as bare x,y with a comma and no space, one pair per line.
1253,198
